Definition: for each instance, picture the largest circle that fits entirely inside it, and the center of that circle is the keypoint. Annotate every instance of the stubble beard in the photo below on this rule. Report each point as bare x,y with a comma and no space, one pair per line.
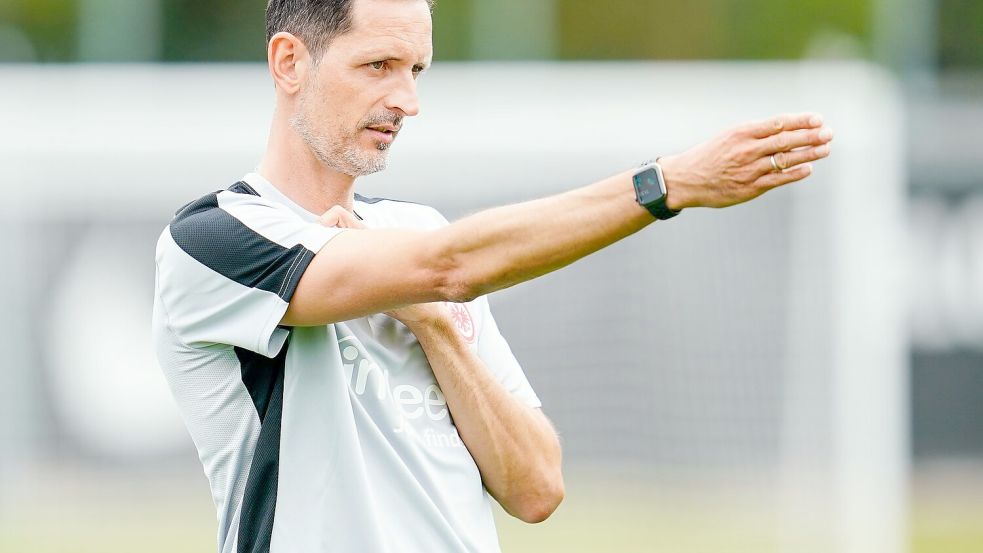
338,151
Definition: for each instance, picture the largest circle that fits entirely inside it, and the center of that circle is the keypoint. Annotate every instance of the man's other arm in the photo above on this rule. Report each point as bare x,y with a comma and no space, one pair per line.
515,446
372,271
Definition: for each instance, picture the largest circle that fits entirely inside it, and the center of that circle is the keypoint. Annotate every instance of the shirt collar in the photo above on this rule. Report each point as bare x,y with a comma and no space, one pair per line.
269,190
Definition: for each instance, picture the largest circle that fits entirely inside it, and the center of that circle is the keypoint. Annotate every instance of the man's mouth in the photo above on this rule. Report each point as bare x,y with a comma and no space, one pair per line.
384,128
383,133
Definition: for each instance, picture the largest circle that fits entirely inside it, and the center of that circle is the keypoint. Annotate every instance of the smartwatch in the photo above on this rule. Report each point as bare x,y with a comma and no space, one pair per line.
650,190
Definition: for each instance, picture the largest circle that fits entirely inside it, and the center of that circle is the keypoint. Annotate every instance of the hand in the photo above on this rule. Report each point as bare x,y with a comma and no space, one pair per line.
340,217
736,166
410,315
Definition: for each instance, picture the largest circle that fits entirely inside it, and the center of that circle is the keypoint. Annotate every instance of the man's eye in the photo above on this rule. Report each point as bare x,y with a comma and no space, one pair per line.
378,65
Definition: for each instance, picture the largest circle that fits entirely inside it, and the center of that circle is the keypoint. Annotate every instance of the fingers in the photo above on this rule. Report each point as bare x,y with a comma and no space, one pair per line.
790,140
339,217
787,122
787,160
772,180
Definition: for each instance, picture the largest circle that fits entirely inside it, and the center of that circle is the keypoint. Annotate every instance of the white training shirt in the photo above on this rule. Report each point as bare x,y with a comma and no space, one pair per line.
334,438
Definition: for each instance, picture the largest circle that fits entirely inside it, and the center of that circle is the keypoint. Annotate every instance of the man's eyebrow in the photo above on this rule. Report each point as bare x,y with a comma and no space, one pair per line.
388,55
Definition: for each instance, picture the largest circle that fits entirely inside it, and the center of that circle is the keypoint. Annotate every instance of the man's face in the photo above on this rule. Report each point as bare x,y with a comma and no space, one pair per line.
351,107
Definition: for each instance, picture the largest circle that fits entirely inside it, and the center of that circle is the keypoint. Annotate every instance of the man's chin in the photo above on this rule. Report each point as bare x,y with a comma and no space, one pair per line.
365,165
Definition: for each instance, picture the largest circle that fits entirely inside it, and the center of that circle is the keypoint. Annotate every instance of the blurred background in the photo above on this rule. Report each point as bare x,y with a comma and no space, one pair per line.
809,377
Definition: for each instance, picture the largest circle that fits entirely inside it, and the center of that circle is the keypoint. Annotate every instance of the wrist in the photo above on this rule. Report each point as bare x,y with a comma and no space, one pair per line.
672,174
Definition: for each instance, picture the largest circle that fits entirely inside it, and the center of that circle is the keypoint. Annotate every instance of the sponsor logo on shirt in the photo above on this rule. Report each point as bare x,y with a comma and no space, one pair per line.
403,402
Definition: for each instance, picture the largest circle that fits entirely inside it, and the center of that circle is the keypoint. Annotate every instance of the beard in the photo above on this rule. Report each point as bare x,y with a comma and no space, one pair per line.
340,150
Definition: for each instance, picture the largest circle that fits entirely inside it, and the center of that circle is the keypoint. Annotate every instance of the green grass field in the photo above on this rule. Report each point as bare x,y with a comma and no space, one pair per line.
73,513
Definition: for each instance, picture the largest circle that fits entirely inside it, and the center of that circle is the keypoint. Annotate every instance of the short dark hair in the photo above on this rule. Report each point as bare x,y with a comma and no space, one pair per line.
316,22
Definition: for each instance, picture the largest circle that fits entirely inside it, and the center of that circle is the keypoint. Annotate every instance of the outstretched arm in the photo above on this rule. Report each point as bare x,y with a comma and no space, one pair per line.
359,273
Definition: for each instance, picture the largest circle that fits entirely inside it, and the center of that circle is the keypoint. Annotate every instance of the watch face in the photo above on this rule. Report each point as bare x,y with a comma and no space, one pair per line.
647,188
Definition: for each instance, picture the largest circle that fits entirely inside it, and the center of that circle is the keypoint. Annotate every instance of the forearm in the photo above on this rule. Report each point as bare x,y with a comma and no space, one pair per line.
479,254
359,273
504,246
515,448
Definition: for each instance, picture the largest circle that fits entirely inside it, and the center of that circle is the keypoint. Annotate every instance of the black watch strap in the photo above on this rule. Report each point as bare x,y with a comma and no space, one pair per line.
660,210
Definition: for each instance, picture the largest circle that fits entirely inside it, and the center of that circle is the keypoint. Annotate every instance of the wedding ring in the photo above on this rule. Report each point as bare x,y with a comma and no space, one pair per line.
774,163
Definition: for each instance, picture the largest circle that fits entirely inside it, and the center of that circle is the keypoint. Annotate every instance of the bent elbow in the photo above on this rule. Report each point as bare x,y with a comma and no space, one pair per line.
540,506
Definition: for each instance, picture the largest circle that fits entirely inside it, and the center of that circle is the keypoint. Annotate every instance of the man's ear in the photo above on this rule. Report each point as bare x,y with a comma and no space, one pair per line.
289,62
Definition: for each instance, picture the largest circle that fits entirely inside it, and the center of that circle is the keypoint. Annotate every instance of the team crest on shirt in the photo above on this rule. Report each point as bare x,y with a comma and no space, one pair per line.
463,321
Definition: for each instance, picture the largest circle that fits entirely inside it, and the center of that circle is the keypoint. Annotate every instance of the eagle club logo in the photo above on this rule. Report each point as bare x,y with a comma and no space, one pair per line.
462,320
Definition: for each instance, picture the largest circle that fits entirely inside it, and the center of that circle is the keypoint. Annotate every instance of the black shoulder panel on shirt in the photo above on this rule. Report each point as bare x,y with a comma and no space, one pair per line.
224,244
208,199
366,200
263,378
242,187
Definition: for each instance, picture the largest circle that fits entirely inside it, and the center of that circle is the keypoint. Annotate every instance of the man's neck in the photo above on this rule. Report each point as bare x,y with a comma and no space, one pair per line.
293,169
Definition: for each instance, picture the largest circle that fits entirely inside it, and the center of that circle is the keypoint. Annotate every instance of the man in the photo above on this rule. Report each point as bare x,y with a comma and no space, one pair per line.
334,357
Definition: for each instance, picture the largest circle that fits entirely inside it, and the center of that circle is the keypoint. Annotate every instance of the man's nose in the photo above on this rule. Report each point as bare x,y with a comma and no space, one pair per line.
403,97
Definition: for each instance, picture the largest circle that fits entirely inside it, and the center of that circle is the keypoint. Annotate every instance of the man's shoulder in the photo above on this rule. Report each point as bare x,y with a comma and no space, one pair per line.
371,200
203,204
216,210
221,219
408,212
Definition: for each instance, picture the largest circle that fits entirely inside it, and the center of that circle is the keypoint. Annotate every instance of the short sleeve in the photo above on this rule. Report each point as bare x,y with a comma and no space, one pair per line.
227,267
498,357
